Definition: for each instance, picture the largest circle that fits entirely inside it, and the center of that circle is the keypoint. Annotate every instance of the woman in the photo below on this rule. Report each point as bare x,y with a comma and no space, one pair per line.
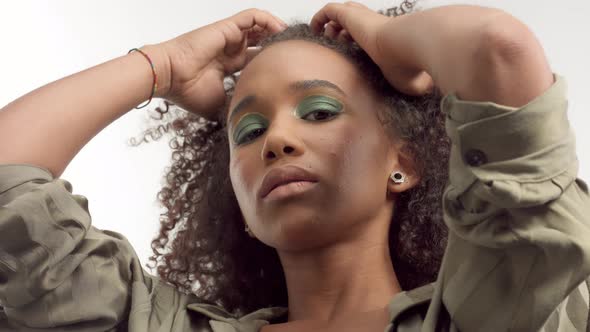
321,158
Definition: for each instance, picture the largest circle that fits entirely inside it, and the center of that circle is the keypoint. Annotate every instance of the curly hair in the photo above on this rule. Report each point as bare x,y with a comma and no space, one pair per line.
202,248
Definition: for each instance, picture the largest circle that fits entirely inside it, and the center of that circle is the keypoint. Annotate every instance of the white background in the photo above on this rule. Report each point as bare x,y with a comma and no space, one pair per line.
42,41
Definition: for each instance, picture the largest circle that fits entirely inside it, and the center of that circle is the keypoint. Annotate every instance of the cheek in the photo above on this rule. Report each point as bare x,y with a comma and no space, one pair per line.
241,173
359,157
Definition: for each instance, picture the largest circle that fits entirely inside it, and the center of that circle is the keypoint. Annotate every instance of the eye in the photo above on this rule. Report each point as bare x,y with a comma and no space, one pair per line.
253,134
319,115
318,108
250,136
249,128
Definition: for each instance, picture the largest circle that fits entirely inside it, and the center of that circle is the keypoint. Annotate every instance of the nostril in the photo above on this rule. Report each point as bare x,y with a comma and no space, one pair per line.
271,155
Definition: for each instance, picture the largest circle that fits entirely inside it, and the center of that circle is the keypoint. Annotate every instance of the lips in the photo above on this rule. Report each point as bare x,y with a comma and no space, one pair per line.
283,175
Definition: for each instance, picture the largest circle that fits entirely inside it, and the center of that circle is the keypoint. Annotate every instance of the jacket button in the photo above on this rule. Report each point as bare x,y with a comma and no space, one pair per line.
475,157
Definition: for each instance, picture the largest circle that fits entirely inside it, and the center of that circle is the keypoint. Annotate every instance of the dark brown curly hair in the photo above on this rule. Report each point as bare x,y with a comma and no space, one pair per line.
202,247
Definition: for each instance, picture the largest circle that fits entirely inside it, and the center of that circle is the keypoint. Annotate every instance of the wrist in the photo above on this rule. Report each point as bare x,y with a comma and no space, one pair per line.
161,61
398,43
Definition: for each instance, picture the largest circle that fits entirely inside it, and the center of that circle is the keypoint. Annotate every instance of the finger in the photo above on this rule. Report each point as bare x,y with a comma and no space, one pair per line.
344,36
342,14
256,34
252,52
235,64
361,23
283,23
331,12
336,25
249,18
331,30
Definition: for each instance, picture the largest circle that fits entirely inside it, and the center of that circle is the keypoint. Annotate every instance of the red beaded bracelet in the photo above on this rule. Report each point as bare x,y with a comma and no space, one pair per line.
154,84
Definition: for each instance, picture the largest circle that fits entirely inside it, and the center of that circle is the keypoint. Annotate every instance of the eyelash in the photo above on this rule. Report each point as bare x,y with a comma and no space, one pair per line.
330,113
260,131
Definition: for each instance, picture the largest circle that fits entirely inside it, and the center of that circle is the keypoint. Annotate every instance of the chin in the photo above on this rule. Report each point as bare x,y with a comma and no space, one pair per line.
302,231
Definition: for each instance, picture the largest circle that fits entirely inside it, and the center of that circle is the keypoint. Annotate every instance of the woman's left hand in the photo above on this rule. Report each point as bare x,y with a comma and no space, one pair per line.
352,21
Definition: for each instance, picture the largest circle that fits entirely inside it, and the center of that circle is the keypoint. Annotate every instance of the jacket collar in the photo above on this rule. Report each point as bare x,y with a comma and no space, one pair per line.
222,321
408,299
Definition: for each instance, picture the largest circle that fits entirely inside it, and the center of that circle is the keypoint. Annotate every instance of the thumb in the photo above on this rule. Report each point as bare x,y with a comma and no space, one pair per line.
235,64
251,52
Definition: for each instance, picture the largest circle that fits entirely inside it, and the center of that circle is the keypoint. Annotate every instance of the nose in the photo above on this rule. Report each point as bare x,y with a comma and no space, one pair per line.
280,142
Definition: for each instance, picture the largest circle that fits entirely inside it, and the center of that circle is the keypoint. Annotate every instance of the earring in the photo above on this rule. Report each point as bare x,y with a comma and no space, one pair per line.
397,177
247,229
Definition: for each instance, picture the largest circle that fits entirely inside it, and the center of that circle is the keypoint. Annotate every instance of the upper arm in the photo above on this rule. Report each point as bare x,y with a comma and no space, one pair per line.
56,270
509,67
519,218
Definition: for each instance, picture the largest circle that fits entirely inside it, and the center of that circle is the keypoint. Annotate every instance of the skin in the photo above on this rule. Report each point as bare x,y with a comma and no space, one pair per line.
332,240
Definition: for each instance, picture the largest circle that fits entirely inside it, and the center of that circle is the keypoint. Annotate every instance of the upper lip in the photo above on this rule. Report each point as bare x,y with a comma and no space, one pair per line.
282,175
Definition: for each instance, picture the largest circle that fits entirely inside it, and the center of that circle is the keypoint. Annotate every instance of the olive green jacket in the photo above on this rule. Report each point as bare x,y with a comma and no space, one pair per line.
517,259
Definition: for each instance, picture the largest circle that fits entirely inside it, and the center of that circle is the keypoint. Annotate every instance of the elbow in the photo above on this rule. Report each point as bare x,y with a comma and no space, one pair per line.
510,62
505,39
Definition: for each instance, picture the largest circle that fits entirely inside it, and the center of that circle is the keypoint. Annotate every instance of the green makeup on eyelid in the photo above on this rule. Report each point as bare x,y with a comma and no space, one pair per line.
308,105
248,123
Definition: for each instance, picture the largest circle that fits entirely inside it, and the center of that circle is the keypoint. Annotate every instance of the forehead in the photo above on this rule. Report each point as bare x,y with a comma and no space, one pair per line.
279,66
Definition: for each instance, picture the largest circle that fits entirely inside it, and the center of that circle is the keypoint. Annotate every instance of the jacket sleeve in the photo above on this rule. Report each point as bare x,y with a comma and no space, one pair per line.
57,272
519,218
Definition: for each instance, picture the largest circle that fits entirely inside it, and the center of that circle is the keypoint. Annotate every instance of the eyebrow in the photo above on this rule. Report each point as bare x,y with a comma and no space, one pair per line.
295,86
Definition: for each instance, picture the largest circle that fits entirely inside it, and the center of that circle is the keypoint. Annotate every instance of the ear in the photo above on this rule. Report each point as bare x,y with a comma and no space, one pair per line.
404,163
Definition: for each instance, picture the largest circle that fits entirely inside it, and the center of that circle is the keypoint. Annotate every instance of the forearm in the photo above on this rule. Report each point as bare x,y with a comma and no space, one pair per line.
50,125
479,53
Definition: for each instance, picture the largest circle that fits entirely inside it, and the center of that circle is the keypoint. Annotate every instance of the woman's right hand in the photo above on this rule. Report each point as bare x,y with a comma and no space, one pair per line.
200,59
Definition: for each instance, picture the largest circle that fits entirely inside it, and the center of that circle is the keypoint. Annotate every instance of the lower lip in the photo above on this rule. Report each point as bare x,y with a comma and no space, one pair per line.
290,189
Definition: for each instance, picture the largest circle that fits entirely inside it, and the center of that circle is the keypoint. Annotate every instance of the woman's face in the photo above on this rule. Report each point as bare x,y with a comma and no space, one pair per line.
301,104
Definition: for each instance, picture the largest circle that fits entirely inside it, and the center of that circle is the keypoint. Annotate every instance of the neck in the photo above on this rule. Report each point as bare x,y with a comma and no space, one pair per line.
351,277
